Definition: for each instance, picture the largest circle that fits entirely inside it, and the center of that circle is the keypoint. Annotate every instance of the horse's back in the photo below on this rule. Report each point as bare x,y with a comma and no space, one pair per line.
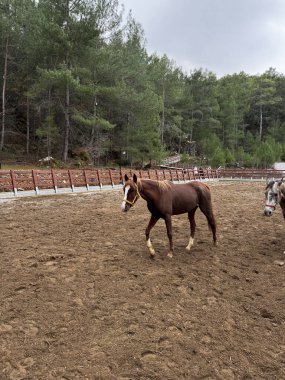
187,196
192,187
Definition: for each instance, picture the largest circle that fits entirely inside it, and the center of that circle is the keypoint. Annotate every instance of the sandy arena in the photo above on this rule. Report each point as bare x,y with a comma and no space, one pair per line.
81,299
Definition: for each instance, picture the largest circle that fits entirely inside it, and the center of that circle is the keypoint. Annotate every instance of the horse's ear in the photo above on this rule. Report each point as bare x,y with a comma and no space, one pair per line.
135,178
126,178
281,181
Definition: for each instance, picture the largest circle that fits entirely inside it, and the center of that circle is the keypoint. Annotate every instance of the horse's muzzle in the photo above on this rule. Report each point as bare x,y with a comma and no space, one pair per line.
268,212
126,207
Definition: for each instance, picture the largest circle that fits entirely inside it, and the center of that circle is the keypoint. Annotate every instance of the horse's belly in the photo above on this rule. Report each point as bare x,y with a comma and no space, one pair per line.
181,211
180,206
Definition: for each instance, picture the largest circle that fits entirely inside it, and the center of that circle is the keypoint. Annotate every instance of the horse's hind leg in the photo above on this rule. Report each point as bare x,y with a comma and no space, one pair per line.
191,217
208,212
151,224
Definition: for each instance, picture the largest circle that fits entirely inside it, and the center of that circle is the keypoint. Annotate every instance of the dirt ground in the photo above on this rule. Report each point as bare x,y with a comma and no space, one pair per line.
81,299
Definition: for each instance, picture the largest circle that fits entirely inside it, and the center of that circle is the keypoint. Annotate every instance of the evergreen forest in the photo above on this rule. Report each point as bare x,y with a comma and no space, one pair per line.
77,81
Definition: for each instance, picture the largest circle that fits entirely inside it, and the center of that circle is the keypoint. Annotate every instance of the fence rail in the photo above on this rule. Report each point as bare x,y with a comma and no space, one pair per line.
15,181
37,180
251,173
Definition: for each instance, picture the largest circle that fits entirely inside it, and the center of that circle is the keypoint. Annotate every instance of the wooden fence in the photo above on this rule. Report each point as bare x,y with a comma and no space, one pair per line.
252,173
37,180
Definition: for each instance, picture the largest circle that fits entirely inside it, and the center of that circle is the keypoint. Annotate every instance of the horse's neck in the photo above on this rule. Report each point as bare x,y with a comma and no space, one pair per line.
282,198
282,205
148,190
282,189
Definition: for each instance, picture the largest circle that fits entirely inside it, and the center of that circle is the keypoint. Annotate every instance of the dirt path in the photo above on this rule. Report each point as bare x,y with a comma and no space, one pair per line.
80,298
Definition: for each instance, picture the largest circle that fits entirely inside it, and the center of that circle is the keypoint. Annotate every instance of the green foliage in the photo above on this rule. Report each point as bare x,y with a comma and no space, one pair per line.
276,131
91,121
218,158
210,144
233,96
185,158
248,160
245,159
268,152
48,128
57,80
48,132
85,79
229,157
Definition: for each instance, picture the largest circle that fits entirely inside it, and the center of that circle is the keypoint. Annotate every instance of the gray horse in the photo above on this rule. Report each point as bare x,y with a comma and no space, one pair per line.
274,194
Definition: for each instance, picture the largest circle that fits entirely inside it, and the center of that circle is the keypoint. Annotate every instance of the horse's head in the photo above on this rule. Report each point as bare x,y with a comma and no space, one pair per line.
273,193
131,192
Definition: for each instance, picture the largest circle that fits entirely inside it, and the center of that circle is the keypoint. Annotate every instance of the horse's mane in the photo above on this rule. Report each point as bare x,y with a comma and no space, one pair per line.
162,185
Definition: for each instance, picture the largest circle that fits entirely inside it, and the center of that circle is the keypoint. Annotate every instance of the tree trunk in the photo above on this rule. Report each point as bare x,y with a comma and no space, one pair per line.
67,95
92,139
163,112
48,127
235,127
48,145
67,124
260,123
95,131
4,95
28,128
192,126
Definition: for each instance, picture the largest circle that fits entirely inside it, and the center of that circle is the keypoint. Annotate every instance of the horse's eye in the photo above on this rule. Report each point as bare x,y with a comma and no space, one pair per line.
131,190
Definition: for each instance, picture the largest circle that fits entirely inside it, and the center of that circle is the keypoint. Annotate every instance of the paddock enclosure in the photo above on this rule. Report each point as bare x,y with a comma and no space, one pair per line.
81,299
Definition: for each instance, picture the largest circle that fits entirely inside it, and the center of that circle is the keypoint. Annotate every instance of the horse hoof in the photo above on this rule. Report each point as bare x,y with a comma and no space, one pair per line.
188,248
170,255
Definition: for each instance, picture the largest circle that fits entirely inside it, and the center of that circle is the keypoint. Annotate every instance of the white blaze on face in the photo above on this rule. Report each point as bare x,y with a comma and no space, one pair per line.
271,200
127,188
275,187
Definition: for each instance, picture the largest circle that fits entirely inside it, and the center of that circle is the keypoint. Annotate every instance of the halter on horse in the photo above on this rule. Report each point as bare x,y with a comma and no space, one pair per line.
274,194
165,199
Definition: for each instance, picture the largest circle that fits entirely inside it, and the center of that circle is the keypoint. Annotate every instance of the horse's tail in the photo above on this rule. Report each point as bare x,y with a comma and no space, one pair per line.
207,186
202,184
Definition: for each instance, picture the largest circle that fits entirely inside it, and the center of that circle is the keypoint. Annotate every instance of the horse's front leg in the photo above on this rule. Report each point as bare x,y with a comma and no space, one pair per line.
151,224
168,223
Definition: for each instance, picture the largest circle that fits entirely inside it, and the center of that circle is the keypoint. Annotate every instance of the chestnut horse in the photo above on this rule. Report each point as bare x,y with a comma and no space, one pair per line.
274,195
164,199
